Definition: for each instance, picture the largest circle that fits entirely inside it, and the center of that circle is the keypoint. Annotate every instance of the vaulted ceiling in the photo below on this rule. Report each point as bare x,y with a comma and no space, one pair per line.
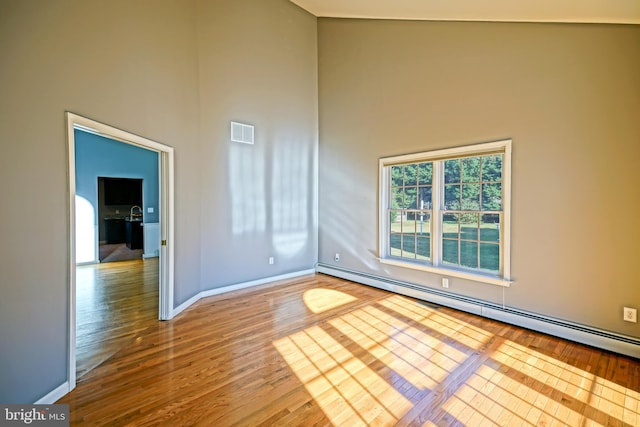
586,11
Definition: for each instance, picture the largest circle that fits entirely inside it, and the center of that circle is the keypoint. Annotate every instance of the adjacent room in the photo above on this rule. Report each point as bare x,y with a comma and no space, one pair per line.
337,212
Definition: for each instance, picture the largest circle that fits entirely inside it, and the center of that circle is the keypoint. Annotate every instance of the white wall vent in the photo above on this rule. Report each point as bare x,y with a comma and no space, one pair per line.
241,132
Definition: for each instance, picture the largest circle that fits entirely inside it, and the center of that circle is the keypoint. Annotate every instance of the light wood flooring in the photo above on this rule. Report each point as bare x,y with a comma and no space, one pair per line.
323,351
115,303
118,252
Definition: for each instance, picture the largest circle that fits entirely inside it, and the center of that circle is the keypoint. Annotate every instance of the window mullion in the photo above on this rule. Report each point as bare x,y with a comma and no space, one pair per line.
460,234
436,217
478,221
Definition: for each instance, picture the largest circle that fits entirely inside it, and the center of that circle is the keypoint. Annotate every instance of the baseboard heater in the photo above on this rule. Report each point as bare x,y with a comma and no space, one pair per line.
611,341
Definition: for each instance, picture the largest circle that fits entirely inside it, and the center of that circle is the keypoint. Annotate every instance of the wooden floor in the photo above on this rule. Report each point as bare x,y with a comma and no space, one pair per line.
323,351
115,303
117,252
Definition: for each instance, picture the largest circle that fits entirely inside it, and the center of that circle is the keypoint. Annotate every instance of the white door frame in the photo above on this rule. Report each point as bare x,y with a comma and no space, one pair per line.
166,202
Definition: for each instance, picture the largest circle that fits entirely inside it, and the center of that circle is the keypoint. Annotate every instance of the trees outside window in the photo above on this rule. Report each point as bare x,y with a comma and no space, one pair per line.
448,210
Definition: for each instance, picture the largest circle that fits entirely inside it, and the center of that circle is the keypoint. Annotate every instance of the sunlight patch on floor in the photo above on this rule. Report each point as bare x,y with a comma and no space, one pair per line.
520,386
349,392
440,323
370,365
419,358
320,300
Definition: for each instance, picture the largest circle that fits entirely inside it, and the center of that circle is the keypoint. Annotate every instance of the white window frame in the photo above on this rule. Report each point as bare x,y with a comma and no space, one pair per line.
436,266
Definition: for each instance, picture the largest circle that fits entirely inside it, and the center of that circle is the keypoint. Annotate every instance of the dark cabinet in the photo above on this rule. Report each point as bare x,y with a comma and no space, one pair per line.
134,234
114,229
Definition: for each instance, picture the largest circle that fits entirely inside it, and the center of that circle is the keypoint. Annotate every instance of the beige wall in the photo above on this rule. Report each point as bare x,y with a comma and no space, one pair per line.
568,96
257,65
149,67
127,64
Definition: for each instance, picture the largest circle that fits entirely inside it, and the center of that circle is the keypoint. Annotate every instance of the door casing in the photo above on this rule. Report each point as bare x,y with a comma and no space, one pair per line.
166,203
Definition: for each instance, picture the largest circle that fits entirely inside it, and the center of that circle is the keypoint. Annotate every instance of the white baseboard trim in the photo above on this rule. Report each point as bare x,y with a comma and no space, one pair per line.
572,332
153,255
182,307
594,337
54,395
238,286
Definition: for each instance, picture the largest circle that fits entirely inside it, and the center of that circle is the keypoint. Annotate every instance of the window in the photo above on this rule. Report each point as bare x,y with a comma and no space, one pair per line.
448,211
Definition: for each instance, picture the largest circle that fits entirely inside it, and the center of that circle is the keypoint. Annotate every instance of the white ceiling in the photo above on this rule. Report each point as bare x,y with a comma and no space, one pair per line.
601,11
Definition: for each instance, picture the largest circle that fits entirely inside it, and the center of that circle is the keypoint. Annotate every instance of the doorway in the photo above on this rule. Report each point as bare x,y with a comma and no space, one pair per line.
121,222
165,220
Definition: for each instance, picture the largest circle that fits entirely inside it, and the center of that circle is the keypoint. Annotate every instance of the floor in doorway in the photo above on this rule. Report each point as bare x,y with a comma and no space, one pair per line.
118,252
115,303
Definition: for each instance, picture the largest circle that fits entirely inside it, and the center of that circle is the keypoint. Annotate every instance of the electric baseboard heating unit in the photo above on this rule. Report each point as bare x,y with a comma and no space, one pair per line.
242,133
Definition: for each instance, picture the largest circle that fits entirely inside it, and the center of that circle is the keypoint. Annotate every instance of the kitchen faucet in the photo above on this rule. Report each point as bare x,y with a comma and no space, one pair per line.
131,211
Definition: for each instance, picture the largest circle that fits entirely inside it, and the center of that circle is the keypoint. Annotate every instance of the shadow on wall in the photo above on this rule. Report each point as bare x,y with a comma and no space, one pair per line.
290,191
290,198
248,200
343,229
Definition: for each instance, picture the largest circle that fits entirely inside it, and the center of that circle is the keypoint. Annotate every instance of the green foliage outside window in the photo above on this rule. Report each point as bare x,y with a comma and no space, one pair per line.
470,237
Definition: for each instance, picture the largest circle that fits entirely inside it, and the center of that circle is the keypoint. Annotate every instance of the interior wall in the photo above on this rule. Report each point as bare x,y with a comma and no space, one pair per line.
257,65
568,96
132,65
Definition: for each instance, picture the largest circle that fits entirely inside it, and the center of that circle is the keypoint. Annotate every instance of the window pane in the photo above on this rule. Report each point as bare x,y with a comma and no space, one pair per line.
490,256
424,248
490,228
469,254
423,223
394,242
470,197
410,174
452,197
410,198
450,251
408,246
424,197
451,171
492,168
471,169
492,197
396,197
396,176
425,173
409,223
469,226
450,226
395,224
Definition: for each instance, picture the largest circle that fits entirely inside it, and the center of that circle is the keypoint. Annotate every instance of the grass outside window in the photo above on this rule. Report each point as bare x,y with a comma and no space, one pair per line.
449,209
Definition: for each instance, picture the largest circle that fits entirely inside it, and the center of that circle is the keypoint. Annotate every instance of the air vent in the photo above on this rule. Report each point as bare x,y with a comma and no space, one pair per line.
241,132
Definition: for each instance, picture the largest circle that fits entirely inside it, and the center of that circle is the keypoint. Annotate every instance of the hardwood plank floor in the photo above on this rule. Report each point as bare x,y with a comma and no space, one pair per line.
115,302
324,351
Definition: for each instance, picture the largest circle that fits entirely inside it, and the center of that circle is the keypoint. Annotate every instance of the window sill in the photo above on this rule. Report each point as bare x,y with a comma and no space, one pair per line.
476,277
